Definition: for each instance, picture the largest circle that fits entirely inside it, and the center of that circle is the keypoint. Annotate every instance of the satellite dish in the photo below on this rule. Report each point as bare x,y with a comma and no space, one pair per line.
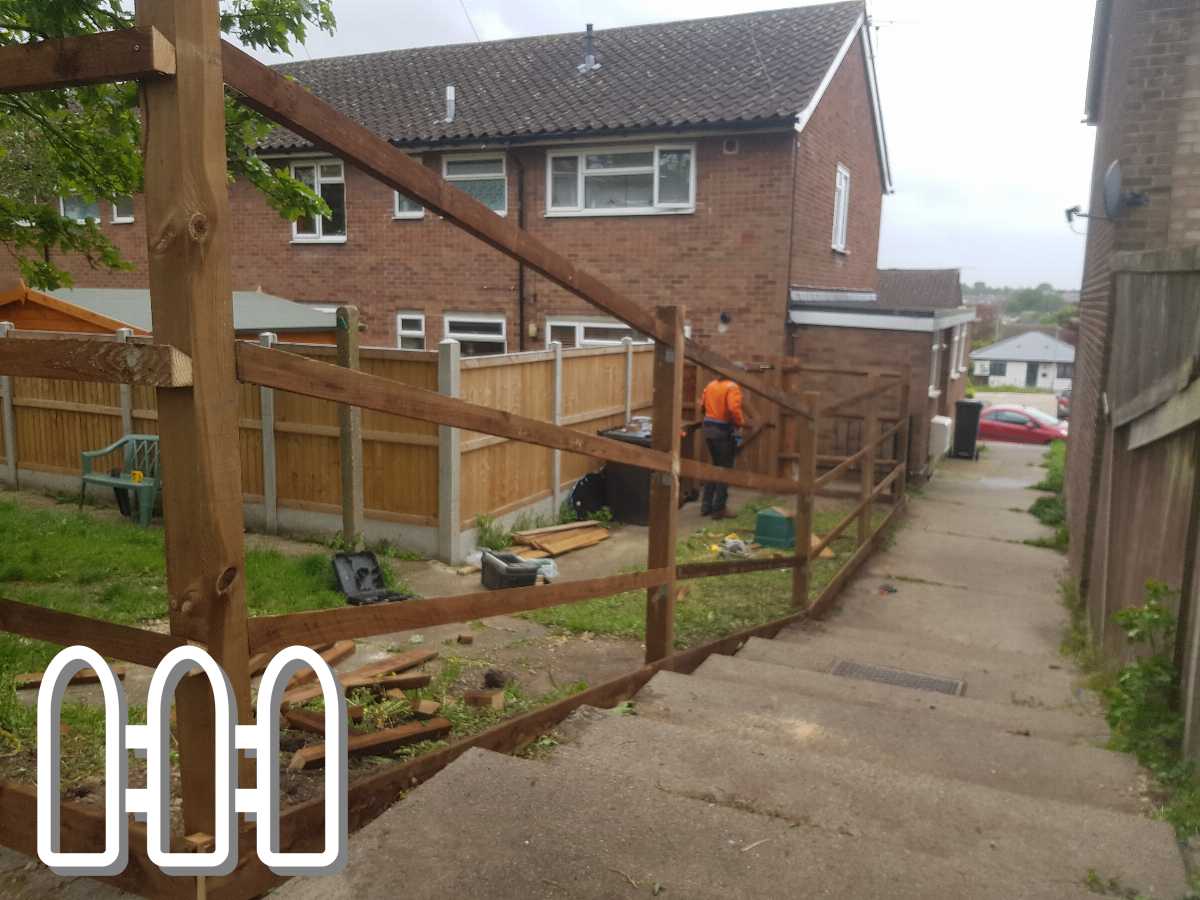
1115,200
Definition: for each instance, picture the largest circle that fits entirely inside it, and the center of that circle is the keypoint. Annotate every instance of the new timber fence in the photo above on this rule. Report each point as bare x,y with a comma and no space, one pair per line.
200,374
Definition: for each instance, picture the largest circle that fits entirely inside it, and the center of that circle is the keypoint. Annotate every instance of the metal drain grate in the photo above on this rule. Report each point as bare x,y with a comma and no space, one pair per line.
915,680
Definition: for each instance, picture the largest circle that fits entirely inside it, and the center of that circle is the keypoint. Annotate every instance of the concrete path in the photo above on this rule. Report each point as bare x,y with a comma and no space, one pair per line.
765,775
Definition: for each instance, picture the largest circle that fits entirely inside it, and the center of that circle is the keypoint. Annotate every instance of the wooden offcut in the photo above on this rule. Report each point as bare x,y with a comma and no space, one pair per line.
526,537
558,543
126,55
377,743
30,680
405,681
91,359
426,709
332,655
485,698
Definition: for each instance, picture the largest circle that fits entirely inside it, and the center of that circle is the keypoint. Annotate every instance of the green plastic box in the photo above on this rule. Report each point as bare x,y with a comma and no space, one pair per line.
774,528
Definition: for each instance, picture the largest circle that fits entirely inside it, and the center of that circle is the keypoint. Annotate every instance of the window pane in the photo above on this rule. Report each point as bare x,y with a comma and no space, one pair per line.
620,160
564,181
123,208
331,170
675,176
480,348
79,209
564,334
474,167
471,326
412,343
608,333
490,192
406,206
303,174
618,191
410,324
335,196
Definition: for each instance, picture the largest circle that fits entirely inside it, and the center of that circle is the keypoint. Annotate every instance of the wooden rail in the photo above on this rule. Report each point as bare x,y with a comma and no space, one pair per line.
83,359
128,55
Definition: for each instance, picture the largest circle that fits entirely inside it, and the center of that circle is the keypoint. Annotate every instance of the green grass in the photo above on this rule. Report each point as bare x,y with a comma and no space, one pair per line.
712,607
1052,511
1009,389
76,562
1055,462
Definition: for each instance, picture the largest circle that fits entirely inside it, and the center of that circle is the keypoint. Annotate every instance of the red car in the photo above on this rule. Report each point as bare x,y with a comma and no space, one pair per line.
1020,425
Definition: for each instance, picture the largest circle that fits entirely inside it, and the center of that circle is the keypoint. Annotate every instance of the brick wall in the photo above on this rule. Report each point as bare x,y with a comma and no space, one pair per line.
764,214
1149,119
841,130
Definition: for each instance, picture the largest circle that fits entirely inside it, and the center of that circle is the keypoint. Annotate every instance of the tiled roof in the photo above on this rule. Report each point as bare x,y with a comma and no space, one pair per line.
752,68
1032,346
920,288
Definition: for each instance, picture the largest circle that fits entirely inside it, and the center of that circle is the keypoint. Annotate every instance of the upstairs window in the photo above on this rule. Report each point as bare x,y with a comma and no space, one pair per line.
841,208
483,177
122,211
82,211
407,209
622,181
410,331
328,179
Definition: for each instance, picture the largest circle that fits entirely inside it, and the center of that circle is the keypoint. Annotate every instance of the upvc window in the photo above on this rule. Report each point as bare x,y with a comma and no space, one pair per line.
999,368
406,209
410,331
965,330
955,347
122,211
584,333
477,334
982,367
622,180
1066,370
484,177
841,208
328,178
935,365
82,211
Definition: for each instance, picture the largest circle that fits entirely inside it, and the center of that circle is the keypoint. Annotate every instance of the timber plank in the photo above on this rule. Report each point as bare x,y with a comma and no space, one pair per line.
522,537
377,743
290,104
84,359
405,681
30,680
269,632
135,645
333,655
126,55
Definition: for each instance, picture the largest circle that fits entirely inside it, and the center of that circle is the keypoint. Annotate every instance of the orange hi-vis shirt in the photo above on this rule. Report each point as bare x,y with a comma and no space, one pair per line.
723,402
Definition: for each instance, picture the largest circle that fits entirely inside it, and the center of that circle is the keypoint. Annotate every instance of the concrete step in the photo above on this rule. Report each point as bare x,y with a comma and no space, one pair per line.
1065,726
1032,625
1026,843
503,828
1014,678
909,740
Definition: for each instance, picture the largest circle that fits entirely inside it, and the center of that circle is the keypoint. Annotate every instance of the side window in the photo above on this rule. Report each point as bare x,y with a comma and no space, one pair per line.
410,331
327,178
841,208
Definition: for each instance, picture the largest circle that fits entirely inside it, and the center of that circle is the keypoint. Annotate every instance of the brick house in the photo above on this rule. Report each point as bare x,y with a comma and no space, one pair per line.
718,163
1143,97
915,318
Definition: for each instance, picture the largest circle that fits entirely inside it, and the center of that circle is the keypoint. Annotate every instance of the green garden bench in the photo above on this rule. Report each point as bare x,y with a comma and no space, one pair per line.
140,454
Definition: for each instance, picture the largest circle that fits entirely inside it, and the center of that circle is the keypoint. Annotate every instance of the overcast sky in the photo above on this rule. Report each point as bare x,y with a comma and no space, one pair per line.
982,104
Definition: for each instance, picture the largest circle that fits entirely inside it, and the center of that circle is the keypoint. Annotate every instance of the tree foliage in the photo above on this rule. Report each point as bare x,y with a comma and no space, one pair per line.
86,141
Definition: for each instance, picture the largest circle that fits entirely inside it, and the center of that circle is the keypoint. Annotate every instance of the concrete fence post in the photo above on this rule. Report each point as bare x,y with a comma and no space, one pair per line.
628,342
8,422
449,459
350,427
124,335
556,457
266,402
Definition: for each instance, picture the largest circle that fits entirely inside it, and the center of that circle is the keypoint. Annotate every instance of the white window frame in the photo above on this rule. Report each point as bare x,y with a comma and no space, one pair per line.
580,324
962,347
117,219
454,179
955,352
62,211
841,208
402,333
401,214
319,221
501,338
983,368
657,208
935,364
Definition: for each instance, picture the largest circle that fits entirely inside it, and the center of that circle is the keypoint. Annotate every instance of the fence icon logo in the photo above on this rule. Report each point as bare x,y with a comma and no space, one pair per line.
260,740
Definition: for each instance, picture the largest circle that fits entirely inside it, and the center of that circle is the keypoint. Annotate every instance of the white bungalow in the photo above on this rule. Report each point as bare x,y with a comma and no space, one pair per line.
1029,360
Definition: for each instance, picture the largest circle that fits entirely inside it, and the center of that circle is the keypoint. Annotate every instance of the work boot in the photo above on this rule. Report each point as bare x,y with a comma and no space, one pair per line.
724,514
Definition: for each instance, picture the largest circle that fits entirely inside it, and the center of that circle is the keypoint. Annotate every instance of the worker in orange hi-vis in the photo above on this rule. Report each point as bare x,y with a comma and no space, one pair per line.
723,416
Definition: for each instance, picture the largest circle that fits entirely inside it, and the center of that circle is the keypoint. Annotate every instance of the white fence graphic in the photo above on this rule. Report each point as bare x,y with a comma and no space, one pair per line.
153,741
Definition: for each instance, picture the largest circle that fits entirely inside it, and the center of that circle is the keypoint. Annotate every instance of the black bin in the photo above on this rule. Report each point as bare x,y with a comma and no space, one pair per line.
627,488
966,429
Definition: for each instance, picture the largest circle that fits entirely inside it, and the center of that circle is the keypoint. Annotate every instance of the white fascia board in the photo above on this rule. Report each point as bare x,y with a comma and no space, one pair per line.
878,322
806,113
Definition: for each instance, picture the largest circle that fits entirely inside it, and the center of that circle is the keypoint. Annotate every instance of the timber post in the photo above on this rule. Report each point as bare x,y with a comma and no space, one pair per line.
628,343
8,422
350,430
664,486
449,458
123,336
266,416
866,468
191,303
903,418
803,434
556,455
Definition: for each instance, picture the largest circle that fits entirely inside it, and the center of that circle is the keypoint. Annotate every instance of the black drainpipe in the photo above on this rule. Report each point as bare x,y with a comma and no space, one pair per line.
520,265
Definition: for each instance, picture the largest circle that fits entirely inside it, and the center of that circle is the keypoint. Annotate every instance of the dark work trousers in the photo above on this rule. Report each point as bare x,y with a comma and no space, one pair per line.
721,448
